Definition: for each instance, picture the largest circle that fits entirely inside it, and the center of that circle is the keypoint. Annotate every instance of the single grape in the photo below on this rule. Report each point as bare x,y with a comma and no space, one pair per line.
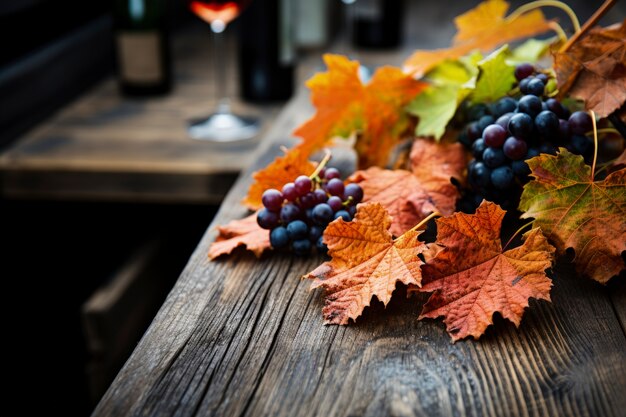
515,148
480,175
308,200
320,196
308,215
580,123
580,144
505,105
542,77
355,191
547,147
267,219
473,131
564,131
485,121
502,177
535,87
303,185
320,245
315,232
555,107
335,187
322,173
477,111
297,229
272,199
478,147
322,214
464,139
493,157
289,192
279,237
504,120
520,169
523,85
532,152
290,212
352,211
335,203
332,173
494,135
523,70
521,125
547,124
301,247
343,214
529,104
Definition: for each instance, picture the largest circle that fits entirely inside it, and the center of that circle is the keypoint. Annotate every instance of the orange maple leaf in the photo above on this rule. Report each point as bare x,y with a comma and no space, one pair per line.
345,105
366,262
472,278
244,232
484,28
283,169
594,69
575,211
411,196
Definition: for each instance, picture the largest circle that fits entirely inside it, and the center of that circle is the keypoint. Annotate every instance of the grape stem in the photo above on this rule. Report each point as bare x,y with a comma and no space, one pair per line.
517,232
322,164
560,33
422,223
595,144
588,24
546,3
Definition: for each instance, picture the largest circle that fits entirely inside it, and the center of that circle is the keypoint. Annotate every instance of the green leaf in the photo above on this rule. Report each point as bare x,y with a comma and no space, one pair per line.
496,77
450,73
435,106
530,51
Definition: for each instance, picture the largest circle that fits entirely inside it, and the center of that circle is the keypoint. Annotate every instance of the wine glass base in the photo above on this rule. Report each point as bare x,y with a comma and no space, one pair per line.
224,127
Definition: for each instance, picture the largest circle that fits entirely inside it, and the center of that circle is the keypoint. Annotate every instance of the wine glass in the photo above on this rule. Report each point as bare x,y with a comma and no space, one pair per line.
222,125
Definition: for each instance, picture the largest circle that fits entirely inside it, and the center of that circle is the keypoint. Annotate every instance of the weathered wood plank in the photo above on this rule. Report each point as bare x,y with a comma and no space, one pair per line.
240,337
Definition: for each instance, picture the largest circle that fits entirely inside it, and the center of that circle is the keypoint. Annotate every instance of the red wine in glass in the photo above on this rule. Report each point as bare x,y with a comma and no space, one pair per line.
223,125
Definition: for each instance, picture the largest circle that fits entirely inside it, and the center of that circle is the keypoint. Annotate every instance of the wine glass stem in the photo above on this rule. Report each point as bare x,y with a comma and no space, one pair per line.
219,68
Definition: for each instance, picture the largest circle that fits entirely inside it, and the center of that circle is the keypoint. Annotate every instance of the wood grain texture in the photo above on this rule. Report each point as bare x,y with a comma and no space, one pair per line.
239,337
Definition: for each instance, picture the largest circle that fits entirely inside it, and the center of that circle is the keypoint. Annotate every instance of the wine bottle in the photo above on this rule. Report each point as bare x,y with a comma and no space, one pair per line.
266,53
142,46
378,23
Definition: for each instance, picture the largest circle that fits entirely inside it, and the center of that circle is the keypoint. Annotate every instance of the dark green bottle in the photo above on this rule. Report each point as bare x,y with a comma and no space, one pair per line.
142,46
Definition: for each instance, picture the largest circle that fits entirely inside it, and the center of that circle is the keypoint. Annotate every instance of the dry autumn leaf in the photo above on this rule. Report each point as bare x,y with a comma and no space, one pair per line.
472,278
282,170
484,27
344,105
594,69
575,211
244,232
366,262
411,196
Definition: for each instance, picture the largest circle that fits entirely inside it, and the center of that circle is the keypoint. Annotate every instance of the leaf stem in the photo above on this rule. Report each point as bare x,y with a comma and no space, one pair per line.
422,223
607,130
595,144
322,164
517,232
546,3
589,24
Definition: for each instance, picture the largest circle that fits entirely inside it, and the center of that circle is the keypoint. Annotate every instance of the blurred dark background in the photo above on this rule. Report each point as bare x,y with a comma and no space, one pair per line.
88,275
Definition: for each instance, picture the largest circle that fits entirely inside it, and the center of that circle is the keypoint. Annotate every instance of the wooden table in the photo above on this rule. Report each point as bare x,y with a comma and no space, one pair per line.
242,337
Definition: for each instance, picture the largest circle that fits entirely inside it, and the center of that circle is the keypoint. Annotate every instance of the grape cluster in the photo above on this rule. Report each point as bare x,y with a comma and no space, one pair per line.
298,214
504,135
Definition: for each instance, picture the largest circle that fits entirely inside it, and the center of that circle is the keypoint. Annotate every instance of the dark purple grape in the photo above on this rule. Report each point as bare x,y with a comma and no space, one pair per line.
504,120
520,169
267,219
529,104
335,203
502,177
289,192
301,247
464,139
332,173
515,148
494,135
535,87
279,237
303,185
542,77
473,131
344,215
523,70
547,124
555,107
580,123
547,147
521,125
290,212
315,232
352,211
484,122
477,111
308,200
308,215
564,132
355,191
335,187
580,144
320,245
480,175
322,214
272,199
493,157
523,85
505,105
320,196
297,229
322,173
478,147
532,152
